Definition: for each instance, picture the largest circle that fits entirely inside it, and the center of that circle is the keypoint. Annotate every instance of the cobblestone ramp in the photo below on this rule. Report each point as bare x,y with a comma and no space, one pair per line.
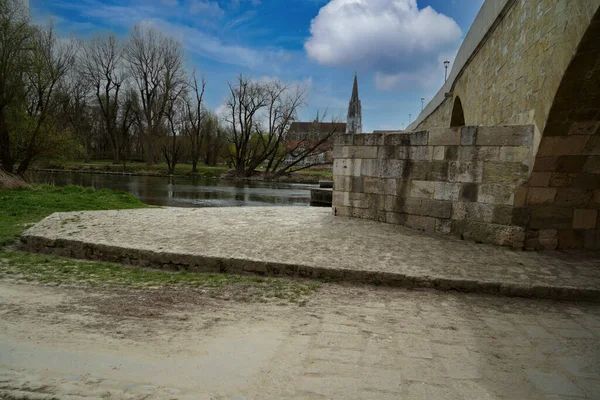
310,242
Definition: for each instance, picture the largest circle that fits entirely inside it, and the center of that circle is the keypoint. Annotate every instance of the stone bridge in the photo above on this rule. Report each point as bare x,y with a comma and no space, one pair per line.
508,151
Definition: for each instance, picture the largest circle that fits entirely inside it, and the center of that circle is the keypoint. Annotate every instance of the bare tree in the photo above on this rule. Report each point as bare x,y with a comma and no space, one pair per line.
102,64
156,66
259,115
195,114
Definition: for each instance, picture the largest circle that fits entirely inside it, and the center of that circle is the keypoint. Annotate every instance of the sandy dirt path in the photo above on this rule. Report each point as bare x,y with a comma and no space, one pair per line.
345,343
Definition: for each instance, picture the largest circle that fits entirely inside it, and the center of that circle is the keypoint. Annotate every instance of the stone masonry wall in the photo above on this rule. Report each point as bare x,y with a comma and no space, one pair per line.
514,75
459,181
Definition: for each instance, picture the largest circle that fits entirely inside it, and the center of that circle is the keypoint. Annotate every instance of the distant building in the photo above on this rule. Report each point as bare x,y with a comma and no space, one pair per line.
354,119
305,135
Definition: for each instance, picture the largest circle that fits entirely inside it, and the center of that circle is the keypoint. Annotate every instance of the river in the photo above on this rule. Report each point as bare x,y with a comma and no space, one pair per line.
184,191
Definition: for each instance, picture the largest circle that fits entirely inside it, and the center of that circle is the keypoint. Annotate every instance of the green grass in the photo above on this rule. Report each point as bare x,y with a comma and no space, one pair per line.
53,270
20,208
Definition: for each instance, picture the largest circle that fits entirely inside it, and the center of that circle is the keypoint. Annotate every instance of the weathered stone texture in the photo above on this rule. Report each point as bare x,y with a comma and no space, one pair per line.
428,180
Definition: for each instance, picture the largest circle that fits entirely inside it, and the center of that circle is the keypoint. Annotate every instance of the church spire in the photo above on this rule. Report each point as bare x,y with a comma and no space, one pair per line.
354,119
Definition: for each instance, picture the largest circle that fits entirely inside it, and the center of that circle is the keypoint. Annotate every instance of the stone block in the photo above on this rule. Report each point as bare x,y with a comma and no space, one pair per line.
592,164
403,187
520,216
386,152
438,171
370,167
469,192
447,191
584,127
374,139
592,146
570,163
539,195
362,151
451,153
418,138
562,145
468,135
489,233
419,153
389,186
338,152
416,169
509,173
422,189
539,179
392,168
443,226
397,139
520,196
471,172
341,167
551,217
395,218
575,198
341,183
592,239
438,153
342,211
478,153
561,179
595,200
356,184
497,214
495,194
364,200
571,239
514,154
355,166
545,164
421,223
373,185
585,218
444,137
504,136
341,199
358,140
409,206
436,208
586,180
364,213
343,140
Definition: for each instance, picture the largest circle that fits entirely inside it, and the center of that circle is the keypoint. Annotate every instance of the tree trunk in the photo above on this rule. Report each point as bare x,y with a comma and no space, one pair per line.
5,157
194,165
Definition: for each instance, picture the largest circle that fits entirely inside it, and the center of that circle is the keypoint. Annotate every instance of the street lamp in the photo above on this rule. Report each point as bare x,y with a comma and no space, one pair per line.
446,63
409,117
422,103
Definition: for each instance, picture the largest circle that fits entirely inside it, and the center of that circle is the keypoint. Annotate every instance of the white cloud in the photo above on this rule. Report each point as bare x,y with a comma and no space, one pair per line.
393,38
206,8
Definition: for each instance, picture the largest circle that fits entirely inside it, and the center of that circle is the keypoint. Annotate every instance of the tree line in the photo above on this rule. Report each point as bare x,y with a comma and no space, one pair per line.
134,98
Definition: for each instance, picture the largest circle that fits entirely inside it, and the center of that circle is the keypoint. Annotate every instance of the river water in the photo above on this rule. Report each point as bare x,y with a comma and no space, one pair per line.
186,192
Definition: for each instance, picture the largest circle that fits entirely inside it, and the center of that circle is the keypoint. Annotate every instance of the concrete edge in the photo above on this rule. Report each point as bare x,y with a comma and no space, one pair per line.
207,264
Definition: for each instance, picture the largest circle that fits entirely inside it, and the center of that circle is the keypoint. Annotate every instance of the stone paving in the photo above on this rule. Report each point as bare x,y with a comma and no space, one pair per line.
346,343
313,243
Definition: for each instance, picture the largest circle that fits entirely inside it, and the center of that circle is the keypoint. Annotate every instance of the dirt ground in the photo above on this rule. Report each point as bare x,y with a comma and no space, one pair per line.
346,342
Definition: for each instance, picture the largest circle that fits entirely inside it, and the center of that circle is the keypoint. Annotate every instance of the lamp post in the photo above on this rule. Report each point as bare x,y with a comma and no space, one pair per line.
409,117
422,103
446,64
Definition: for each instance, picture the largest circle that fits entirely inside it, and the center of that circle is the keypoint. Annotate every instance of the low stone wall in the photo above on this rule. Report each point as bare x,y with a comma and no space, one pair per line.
459,181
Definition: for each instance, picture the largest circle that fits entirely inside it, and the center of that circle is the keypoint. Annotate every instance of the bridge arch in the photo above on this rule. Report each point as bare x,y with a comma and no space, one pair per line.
563,193
458,115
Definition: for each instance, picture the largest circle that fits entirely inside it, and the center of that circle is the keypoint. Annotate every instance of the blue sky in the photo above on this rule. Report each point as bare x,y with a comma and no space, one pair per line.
396,46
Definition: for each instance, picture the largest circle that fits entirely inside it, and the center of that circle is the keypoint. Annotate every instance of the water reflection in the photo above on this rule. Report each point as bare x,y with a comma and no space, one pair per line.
186,192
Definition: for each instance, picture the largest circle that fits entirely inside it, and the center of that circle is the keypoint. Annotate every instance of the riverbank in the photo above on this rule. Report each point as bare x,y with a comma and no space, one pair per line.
182,170
22,208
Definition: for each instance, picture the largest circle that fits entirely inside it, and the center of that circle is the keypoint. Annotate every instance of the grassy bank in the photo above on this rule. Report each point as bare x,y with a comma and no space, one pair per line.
20,208
161,169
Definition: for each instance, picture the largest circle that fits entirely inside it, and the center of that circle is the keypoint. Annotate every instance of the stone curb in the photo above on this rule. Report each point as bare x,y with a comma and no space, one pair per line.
204,263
